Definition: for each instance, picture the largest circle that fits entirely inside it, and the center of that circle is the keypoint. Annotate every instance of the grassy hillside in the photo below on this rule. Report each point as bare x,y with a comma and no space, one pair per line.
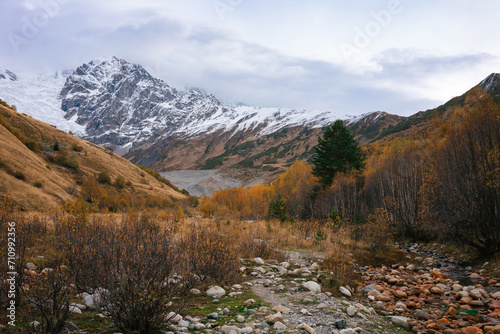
41,166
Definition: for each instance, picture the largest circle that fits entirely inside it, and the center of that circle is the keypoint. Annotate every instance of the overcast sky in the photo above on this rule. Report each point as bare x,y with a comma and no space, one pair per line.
348,56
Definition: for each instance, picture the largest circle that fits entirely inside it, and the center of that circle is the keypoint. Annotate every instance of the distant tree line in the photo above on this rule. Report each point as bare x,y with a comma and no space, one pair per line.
442,183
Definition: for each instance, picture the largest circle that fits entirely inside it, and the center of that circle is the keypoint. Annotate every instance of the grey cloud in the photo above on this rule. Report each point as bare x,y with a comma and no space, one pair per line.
408,63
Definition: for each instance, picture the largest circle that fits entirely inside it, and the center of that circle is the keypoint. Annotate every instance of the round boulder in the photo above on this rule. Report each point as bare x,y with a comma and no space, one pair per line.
312,286
216,292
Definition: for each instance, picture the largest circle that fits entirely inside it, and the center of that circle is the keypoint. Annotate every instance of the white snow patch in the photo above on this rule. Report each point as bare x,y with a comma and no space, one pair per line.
38,96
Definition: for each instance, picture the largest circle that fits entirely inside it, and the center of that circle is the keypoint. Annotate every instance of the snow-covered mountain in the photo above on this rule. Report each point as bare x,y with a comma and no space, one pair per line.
119,104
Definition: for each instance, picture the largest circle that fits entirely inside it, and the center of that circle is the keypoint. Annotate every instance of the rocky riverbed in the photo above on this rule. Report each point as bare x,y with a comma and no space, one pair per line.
416,296
426,293
431,298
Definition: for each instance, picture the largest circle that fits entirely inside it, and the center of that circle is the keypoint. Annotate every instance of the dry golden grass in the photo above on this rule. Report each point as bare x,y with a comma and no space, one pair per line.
46,183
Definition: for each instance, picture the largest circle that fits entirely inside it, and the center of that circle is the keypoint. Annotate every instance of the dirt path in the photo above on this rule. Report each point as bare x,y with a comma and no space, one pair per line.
282,288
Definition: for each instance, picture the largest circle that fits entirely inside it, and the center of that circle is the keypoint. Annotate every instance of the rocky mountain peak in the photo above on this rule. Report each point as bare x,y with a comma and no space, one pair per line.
119,102
491,84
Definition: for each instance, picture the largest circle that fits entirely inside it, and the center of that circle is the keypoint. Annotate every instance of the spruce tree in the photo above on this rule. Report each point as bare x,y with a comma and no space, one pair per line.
337,152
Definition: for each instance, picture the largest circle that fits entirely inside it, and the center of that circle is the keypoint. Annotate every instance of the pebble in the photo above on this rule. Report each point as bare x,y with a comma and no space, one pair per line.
421,315
351,311
246,330
402,321
30,266
347,331
227,329
274,317
279,326
341,324
312,286
307,328
281,309
249,302
213,315
183,323
75,310
345,292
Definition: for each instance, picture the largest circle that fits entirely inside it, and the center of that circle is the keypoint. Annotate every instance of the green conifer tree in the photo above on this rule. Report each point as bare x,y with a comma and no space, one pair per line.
337,152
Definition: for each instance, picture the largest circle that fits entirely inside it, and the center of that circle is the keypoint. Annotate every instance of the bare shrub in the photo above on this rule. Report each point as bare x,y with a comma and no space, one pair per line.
339,263
342,270
132,265
21,234
379,229
48,299
253,247
210,256
91,190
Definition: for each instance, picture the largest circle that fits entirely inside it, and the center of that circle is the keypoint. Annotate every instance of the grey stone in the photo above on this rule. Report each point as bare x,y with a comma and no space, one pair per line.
216,292
278,325
347,331
263,324
307,328
250,311
92,301
246,330
274,318
199,326
345,292
260,269
312,286
341,324
75,310
227,329
402,321
351,311
369,288
421,315
30,266
80,306
264,309
183,323
214,316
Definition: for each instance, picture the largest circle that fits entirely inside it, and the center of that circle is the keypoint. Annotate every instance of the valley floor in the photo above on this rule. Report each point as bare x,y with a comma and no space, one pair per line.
205,182
287,280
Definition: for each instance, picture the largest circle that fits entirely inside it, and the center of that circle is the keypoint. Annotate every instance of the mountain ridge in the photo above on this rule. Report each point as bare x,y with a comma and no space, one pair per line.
120,105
